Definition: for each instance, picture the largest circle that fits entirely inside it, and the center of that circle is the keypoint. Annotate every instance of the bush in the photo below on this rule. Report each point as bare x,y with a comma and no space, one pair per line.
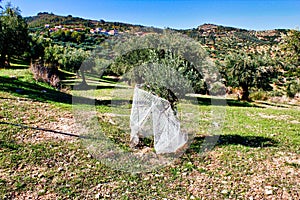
276,93
217,89
293,88
259,95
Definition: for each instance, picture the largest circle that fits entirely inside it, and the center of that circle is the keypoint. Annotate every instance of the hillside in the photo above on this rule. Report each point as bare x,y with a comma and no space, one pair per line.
207,33
240,34
217,38
45,18
220,40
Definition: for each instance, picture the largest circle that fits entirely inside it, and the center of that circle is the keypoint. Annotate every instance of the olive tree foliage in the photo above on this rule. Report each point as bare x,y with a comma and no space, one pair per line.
72,58
36,47
68,58
76,60
249,71
13,34
52,55
162,55
290,48
162,79
268,70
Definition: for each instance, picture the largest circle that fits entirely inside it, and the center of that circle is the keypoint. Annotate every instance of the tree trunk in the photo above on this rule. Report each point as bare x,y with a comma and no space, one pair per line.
2,61
245,95
8,61
83,77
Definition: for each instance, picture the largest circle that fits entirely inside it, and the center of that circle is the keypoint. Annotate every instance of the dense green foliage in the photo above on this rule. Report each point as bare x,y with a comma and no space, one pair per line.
13,34
164,73
67,58
169,65
290,47
248,71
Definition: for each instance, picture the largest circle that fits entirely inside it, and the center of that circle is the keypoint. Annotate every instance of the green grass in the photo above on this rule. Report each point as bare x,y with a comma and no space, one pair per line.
257,152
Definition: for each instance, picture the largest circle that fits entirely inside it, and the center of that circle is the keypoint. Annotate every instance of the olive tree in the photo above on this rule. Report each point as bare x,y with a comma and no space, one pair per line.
13,34
248,70
153,59
290,47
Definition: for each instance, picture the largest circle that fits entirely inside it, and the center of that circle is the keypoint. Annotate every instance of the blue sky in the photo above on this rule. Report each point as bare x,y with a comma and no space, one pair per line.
255,14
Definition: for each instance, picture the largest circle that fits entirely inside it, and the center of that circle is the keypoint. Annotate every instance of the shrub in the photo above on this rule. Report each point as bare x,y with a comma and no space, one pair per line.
217,89
276,93
293,88
259,95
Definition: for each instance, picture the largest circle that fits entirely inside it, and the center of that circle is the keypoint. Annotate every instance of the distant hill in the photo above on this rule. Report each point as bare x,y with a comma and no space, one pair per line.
212,32
43,18
204,30
219,31
218,39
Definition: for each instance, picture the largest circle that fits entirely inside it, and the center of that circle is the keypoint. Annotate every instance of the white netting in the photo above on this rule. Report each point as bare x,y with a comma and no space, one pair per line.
152,115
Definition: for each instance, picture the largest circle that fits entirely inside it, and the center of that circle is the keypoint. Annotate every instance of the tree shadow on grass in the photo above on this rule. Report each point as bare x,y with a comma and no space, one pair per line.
208,101
236,103
66,76
91,86
33,91
224,140
276,104
16,66
105,87
46,94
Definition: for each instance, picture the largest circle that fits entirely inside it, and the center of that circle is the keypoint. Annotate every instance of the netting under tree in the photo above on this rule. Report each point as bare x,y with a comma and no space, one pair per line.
152,115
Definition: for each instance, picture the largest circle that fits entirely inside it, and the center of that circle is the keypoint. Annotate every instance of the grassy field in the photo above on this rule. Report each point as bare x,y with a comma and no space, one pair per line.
257,155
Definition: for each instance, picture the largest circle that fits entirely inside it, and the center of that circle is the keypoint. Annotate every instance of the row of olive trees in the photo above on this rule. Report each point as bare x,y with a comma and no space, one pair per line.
259,70
246,70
